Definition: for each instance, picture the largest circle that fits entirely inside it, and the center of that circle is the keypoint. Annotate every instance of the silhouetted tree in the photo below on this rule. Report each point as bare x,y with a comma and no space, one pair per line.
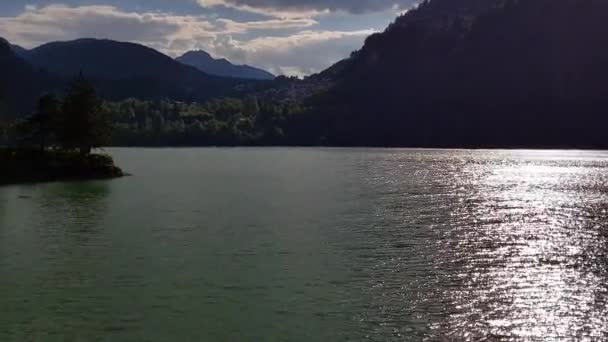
42,123
4,121
37,129
84,124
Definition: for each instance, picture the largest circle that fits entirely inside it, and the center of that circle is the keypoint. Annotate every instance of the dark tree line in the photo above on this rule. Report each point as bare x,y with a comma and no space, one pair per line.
226,121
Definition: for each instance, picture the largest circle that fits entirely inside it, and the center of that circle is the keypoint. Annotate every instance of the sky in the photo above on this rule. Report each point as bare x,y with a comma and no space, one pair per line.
286,37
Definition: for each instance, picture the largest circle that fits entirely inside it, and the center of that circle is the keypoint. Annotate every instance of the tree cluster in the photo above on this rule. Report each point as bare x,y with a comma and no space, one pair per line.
76,122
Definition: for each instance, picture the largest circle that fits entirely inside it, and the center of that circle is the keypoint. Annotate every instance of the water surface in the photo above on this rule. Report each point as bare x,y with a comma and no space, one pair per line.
312,245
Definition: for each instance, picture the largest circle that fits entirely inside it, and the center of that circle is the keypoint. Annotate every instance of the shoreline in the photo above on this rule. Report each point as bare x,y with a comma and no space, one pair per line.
455,148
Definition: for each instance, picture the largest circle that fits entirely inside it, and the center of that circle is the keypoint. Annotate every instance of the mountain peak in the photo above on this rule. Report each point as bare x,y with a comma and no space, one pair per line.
197,54
203,61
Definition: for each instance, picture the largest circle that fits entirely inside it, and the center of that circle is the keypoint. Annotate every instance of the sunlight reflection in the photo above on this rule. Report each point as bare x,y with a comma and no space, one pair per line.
531,269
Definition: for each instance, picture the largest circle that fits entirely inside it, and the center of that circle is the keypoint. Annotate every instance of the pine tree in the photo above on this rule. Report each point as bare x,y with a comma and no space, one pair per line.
84,124
43,122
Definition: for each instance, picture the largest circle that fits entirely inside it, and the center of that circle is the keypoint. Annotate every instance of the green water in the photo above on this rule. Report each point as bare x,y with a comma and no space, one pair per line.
311,245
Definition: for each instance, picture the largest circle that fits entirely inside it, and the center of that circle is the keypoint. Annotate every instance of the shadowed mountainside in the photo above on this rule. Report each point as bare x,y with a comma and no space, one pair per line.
474,73
20,82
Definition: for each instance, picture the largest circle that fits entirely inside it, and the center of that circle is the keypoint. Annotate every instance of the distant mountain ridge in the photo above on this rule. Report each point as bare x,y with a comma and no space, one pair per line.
108,59
119,70
222,67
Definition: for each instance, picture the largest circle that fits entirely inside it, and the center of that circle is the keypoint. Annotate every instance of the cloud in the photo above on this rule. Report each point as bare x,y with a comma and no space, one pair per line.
281,45
277,12
231,26
299,54
309,8
60,22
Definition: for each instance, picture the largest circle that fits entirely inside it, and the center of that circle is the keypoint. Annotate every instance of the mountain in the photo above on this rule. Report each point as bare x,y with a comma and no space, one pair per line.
18,50
106,59
221,67
122,70
20,84
473,73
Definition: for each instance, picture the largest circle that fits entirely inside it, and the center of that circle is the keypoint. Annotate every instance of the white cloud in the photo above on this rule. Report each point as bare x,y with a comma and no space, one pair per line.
300,54
303,52
232,27
60,22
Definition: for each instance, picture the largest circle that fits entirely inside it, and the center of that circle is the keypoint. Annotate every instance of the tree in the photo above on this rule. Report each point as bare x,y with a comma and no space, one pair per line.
37,129
84,124
42,122
251,107
3,122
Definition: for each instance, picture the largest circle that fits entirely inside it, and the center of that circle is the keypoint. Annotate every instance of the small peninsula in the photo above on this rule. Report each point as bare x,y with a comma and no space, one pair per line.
56,142
29,166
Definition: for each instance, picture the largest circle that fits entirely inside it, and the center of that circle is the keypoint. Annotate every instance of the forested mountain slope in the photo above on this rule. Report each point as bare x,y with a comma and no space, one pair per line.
474,73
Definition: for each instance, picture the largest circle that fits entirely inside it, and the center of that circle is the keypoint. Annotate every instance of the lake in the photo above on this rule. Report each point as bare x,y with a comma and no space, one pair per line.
288,244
